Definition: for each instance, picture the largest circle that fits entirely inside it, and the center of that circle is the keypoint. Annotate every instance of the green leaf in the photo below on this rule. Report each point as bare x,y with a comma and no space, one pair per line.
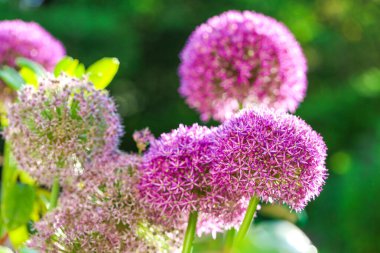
19,236
102,72
33,66
29,76
273,237
80,70
11,77
17,205
69,66
9,172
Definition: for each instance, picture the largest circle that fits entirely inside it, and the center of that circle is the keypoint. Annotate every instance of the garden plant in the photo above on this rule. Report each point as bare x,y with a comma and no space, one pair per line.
81,193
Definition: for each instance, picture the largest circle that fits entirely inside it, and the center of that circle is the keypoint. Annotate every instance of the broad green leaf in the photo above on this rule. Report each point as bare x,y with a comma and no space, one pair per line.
11,77
29,76
19,236
25,178
69,66
33,66
274,237
41,204
102,72
9,172
5,250
80,70
3,119
17,205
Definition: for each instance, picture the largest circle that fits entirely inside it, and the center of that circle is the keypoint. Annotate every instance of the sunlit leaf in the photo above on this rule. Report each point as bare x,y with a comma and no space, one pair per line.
33,66
29,76
18,236
102,72
11,77
25,178
17,205
80,70
276,237
67,65
41,204
9,172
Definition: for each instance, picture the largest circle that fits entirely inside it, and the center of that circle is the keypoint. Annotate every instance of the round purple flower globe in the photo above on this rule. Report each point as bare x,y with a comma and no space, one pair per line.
61,125
176,180
175,171
240,59
271,155
102,213
29,40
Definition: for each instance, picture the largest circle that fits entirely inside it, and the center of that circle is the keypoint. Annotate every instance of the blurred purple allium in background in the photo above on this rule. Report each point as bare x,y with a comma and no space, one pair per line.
270,154
59,126
240,59
102,213
29,40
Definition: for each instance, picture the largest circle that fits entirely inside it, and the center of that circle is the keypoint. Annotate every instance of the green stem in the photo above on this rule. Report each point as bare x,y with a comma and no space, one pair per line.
229,240
190,232
54,194
5,170
248,218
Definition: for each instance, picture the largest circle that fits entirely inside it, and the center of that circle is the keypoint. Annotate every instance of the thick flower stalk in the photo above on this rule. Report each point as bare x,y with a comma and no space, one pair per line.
61,125
29,40
271,155
103,213
240,59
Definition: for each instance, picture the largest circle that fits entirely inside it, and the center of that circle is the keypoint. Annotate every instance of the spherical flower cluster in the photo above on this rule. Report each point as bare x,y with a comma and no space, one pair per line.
29,40
176,180
269,154
239,59
175,171
61,125
103,214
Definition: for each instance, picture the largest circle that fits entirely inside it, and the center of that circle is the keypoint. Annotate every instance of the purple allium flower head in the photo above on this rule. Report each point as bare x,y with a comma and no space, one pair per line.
175,171
239,59
176,180
103,214
29,40
270,154
61,125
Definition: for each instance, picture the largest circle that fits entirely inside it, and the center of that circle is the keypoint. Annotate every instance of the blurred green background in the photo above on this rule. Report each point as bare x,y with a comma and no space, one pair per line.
341,39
